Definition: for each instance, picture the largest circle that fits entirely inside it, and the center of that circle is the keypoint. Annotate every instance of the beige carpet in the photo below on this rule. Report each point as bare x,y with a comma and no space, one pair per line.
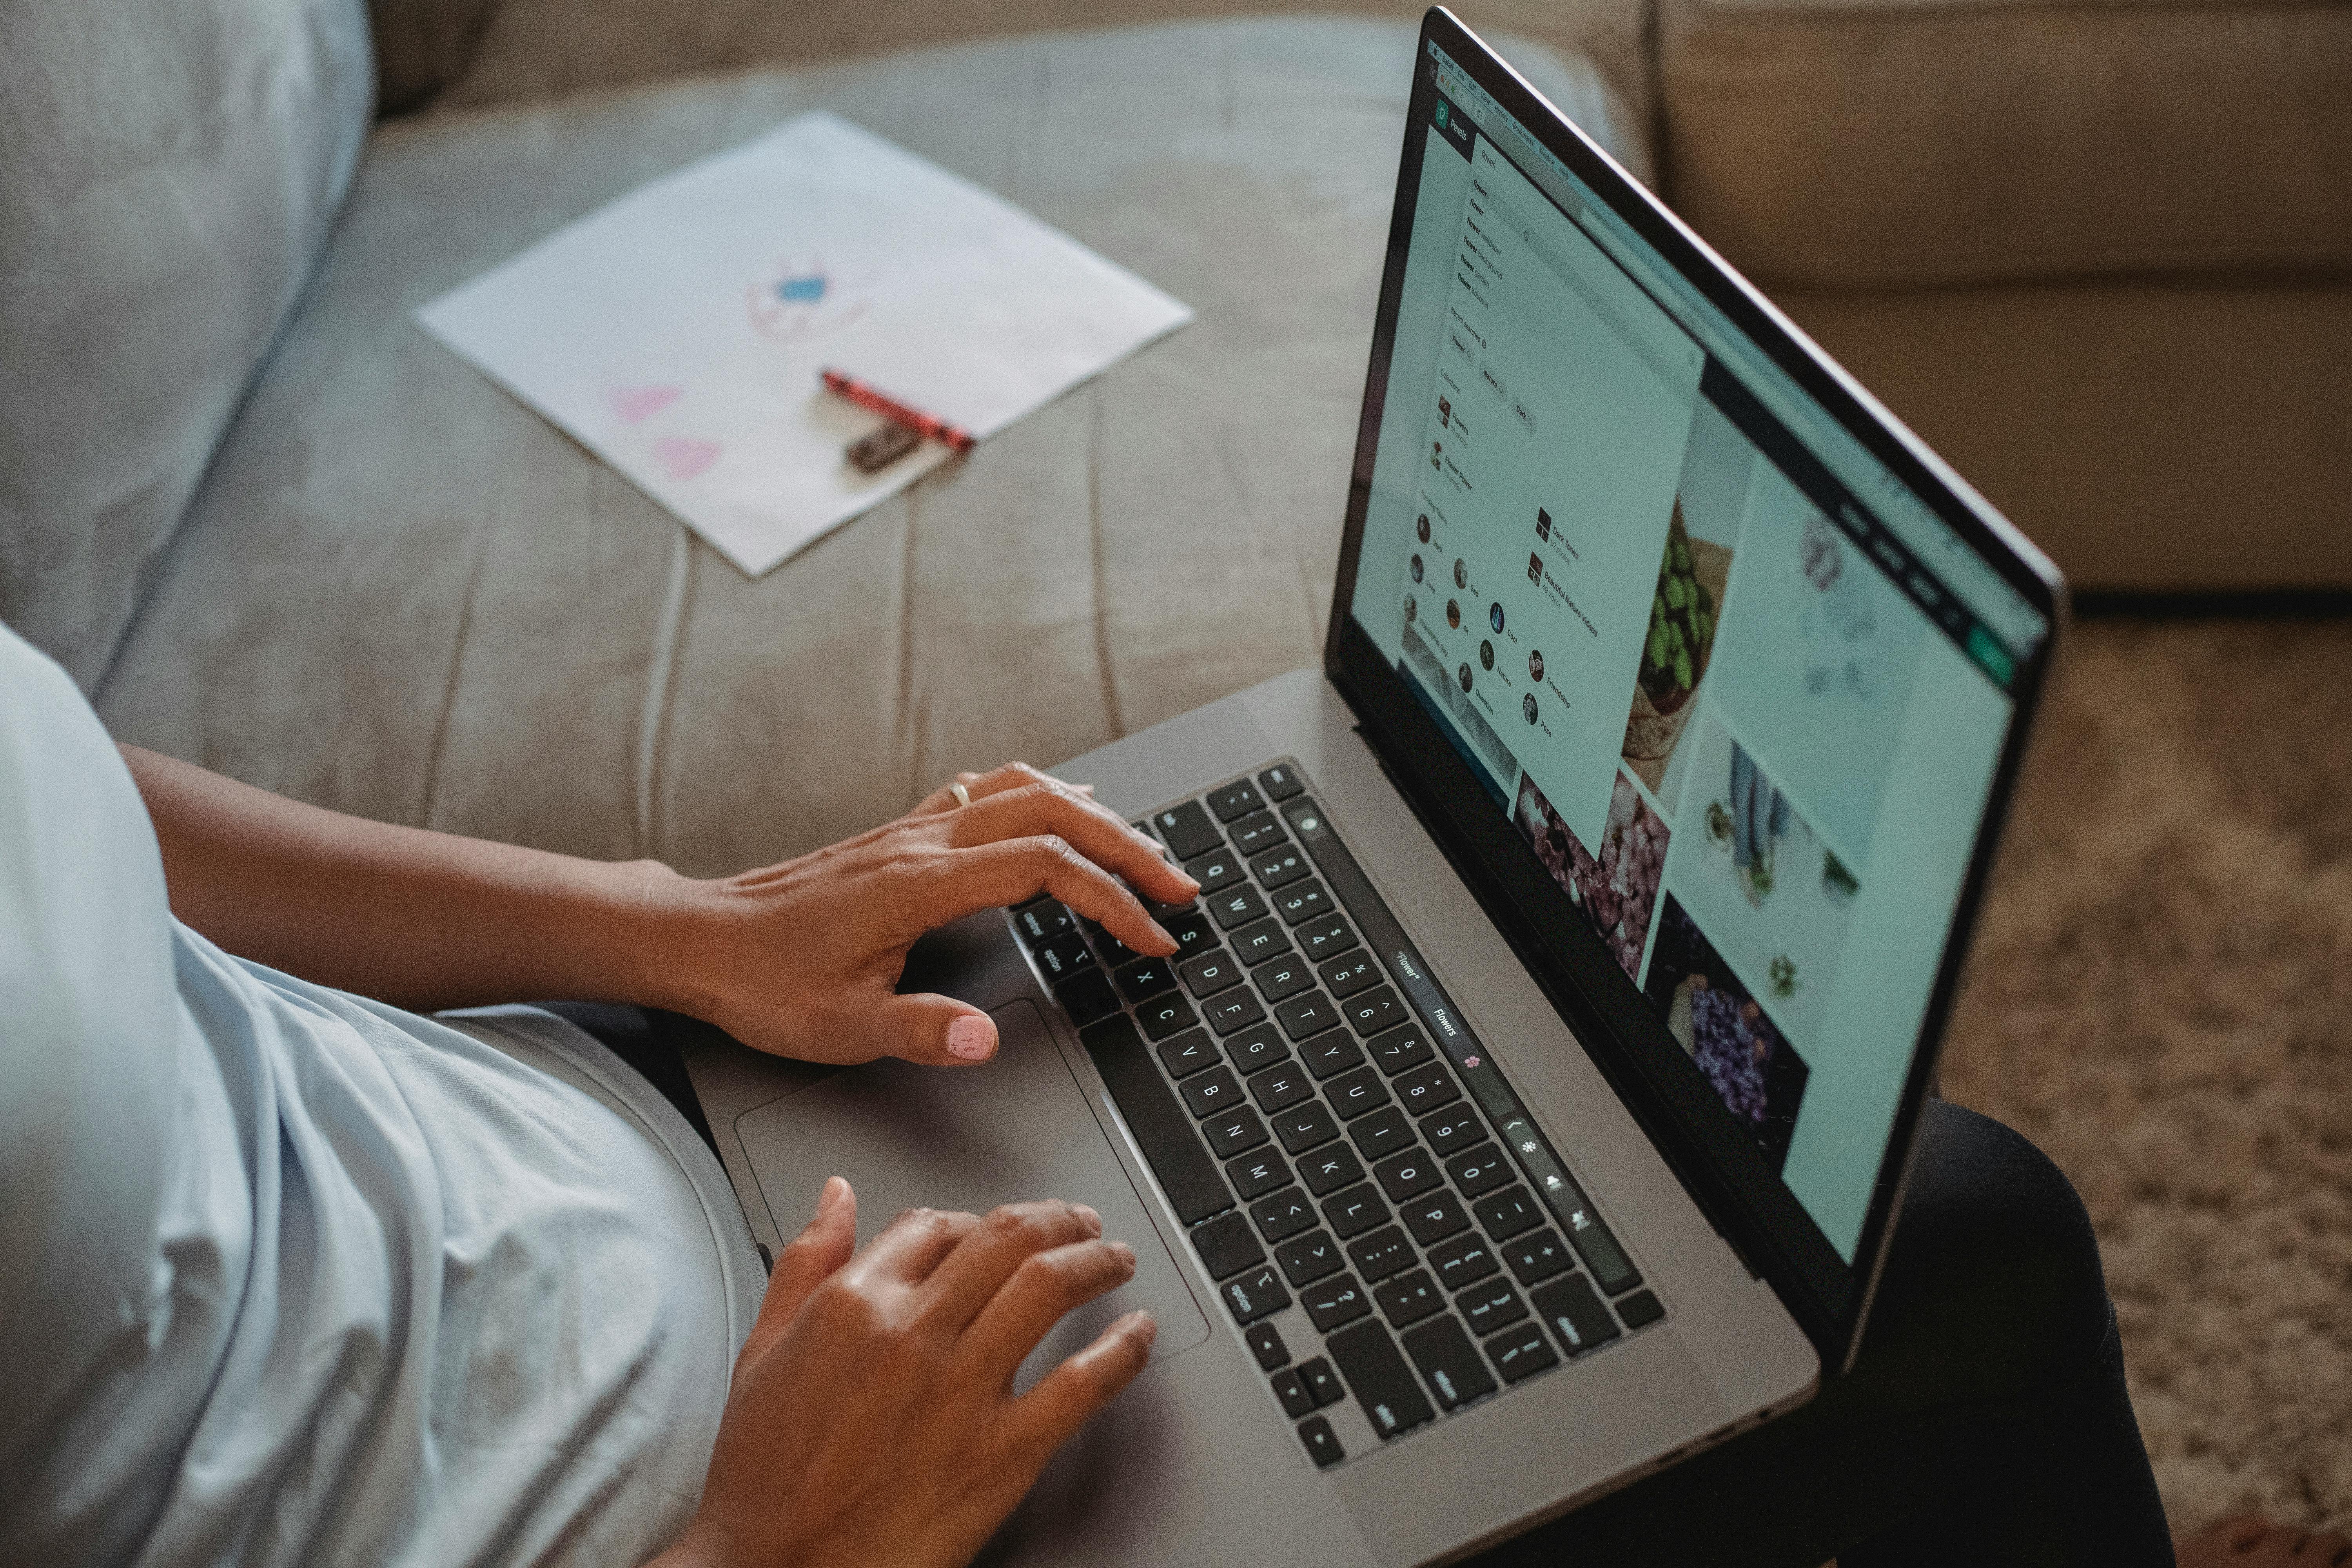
2161,997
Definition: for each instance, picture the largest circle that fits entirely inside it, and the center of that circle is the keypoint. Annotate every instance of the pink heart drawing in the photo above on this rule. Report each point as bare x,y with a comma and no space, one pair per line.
636,403
683,456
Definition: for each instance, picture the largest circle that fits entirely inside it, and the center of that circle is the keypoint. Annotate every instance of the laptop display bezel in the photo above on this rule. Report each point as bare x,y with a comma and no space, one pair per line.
1829,1299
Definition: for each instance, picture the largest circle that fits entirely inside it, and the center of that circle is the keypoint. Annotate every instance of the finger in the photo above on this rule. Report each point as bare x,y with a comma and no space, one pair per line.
968,1279
809,1260
1043,1419
1044,1288
910,1247
936,1031
1015,870
1094,831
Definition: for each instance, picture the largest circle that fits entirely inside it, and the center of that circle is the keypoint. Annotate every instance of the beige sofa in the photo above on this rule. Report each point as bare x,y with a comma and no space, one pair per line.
274,530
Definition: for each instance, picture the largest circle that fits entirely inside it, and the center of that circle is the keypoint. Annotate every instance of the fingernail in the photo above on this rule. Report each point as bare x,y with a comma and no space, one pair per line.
971,1037
1162,932
1087,1217
1123,1252
1141,1324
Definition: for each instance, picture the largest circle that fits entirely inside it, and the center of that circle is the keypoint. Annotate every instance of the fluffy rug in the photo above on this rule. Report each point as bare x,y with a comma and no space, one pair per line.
2161,997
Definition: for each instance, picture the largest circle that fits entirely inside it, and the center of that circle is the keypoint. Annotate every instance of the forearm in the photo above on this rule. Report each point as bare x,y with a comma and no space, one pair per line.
415,918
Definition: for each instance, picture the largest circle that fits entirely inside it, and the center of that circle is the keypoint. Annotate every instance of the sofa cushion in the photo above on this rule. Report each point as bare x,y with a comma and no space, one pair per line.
1897,141
402,594
536,48
167,172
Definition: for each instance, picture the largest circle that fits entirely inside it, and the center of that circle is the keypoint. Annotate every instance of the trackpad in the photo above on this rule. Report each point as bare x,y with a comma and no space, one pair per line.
909,1137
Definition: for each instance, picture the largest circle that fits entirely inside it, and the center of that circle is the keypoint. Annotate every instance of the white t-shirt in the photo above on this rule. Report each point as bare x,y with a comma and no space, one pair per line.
287,1276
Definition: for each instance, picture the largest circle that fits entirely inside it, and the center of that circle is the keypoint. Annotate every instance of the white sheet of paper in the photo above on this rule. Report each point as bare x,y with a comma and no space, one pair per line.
678,332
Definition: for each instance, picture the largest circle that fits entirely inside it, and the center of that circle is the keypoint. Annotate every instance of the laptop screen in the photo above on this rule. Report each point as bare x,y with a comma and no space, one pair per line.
1742,694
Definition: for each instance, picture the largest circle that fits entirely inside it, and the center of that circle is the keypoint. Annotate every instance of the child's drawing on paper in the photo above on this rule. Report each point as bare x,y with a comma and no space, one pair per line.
802,297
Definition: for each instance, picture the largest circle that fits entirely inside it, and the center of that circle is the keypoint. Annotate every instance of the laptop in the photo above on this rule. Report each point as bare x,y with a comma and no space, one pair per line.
1528,1107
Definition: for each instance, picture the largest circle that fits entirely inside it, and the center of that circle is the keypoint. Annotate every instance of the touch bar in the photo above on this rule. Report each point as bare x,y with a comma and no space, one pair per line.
1191,1179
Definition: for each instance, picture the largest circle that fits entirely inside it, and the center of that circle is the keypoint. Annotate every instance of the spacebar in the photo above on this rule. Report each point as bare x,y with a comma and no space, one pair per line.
1191,1179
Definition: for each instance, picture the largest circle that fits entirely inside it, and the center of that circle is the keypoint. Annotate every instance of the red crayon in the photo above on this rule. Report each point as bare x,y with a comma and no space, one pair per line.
890,408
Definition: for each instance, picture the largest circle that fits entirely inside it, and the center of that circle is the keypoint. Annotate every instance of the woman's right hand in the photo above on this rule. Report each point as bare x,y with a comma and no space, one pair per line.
872,1419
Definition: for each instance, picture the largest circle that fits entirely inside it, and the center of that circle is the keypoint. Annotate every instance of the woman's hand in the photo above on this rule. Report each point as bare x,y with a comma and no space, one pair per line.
872,1419
801,959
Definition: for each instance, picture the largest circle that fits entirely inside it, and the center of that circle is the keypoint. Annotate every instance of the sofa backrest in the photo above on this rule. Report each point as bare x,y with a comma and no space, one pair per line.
169,170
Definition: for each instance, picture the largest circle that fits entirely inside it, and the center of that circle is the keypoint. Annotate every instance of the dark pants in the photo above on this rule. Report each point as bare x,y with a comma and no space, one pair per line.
1985,1422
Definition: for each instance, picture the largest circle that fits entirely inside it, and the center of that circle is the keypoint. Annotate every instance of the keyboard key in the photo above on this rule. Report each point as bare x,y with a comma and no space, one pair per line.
1304,1260
1537,1257
1355,1210
1463,1261
1234,1131
1108,947
1519,1353
1491,1306
1226,1246
1164,1015
1218,870
1640,1310
1333,1303
1280,1087
1188,830
1321,1382
1302,1127
1255,1175
1296,1401
1612,1270
1209,1092
1433,1216
1376,1375
1322,1443
1426,1087
1042,921
1282,978
1301,903
1381,1254
1257,943
1408,1298
1284,1214
1348,974
1329,1168
1266,1343
1236,906
1309,1015
1374,1011
1456,1127
1086,996
1407,1176
1279,866
1381,1135
1449,1362
1259,1046
1210,972
1257,1294
1279,781
1399,1049
1353,1094
1194,1186
1194,932
1146,977
1479,1171
1258,832
1063,957
1319,940
1231,1010
1504,1215
1330,1053
1573,1310
1237,799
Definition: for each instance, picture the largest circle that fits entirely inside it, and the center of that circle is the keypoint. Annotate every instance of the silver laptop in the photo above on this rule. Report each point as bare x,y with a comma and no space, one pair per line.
1529,1104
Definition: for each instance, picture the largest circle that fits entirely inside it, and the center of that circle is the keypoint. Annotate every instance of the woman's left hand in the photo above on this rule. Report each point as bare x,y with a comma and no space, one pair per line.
801,959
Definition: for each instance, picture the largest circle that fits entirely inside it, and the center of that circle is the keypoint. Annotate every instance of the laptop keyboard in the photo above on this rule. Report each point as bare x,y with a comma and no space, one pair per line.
1330,1132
